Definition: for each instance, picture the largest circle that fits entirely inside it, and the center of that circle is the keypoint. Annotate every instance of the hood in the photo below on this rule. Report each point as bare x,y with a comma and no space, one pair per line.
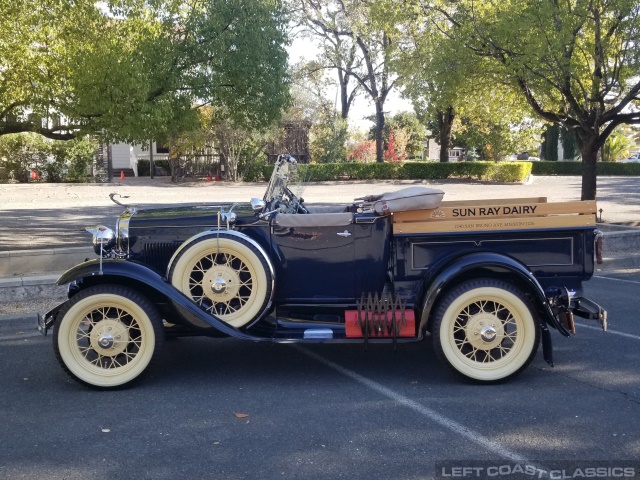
189,216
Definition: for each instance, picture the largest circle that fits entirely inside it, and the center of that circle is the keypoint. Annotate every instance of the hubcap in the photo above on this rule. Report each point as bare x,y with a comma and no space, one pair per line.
219,285
223,283
109,337
106,340
488,334
484,330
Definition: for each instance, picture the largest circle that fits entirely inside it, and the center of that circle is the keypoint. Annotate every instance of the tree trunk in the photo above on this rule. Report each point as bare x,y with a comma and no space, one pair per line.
344,95
445,124
379,133
589,148
589,177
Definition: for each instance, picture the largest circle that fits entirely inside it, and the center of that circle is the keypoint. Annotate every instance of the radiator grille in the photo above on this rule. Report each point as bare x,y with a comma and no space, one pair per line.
157,255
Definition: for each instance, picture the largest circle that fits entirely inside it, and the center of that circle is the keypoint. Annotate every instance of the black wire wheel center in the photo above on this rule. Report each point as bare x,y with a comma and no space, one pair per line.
222,283
109,337
485,331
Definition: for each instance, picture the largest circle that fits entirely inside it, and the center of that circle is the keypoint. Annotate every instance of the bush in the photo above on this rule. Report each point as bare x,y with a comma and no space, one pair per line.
575,168
557,168
22,152
488,171
631,168
55,161
77,155
251,171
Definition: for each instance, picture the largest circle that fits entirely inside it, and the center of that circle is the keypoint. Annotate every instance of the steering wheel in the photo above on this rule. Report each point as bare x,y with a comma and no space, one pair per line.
295,204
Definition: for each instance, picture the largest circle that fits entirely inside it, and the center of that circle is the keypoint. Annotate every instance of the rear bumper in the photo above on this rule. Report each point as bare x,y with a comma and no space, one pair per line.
585,308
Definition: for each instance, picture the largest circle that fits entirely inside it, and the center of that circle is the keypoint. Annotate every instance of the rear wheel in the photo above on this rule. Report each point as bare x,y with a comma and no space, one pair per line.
484,330
107,336
227,276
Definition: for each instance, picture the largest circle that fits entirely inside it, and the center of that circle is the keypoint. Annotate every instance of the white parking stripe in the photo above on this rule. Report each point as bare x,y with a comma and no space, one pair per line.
617,279
612,332
421,409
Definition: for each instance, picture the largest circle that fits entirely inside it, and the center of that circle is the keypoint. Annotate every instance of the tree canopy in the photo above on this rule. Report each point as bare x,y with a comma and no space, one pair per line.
576,63
133,70
358,46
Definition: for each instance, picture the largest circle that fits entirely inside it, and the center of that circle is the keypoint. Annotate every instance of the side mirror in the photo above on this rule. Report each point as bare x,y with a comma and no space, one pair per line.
257,204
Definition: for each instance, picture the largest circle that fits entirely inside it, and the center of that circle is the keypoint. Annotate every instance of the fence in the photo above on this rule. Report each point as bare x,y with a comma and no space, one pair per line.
199,165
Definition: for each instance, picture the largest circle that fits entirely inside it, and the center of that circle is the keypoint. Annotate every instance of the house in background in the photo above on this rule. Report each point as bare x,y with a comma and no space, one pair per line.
431,151
124,157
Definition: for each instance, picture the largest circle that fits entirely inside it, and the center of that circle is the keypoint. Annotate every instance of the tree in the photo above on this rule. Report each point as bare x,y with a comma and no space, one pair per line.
576,63
410,126
338,52
618,145
354,20
328,137
133,70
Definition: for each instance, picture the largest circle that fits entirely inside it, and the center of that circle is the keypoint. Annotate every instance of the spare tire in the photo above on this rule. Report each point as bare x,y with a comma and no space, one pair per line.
226,275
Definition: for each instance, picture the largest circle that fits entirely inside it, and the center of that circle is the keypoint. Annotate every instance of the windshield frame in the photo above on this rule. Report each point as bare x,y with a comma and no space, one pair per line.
284,168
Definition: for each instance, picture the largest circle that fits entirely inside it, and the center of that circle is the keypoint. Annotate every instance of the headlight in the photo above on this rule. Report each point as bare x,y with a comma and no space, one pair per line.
103,239
122,232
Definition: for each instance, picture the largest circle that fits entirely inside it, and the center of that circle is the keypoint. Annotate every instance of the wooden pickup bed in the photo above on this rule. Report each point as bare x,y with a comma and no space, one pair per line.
496,214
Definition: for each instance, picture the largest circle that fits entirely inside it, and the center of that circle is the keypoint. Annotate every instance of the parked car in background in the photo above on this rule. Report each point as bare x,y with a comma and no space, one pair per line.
633,158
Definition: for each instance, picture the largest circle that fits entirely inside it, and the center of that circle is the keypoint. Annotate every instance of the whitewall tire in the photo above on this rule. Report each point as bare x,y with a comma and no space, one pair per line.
107,336
485,330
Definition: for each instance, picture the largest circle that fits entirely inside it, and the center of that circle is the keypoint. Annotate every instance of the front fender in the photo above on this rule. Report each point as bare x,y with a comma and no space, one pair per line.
119,270
450,271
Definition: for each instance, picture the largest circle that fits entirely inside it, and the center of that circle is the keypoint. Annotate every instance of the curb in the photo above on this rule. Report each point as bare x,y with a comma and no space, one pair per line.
26,288
619,263
29,281
24,262
625,241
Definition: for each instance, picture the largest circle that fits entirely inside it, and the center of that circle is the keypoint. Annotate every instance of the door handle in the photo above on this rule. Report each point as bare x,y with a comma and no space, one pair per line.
344,234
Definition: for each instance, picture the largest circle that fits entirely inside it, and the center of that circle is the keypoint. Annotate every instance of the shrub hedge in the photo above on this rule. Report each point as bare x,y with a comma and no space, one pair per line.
575,168
486,171
489,171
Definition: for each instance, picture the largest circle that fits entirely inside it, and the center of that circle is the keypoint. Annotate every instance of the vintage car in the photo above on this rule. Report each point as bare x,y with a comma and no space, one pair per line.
484,280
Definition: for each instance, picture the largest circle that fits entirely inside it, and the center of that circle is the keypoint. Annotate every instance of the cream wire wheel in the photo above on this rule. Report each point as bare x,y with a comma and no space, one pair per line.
107,336
225,275
485,331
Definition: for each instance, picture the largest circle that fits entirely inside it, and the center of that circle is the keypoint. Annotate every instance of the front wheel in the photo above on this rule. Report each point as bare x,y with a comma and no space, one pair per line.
485,331
106,336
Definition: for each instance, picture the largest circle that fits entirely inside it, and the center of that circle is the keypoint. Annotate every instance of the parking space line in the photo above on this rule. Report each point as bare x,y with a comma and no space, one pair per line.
612,332
617,279
448,423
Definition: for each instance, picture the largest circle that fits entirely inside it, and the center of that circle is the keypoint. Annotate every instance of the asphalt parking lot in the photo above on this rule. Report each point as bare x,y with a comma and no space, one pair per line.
323,411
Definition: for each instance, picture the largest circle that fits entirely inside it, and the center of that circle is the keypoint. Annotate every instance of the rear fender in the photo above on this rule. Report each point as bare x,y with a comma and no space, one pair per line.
128,272
451,272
